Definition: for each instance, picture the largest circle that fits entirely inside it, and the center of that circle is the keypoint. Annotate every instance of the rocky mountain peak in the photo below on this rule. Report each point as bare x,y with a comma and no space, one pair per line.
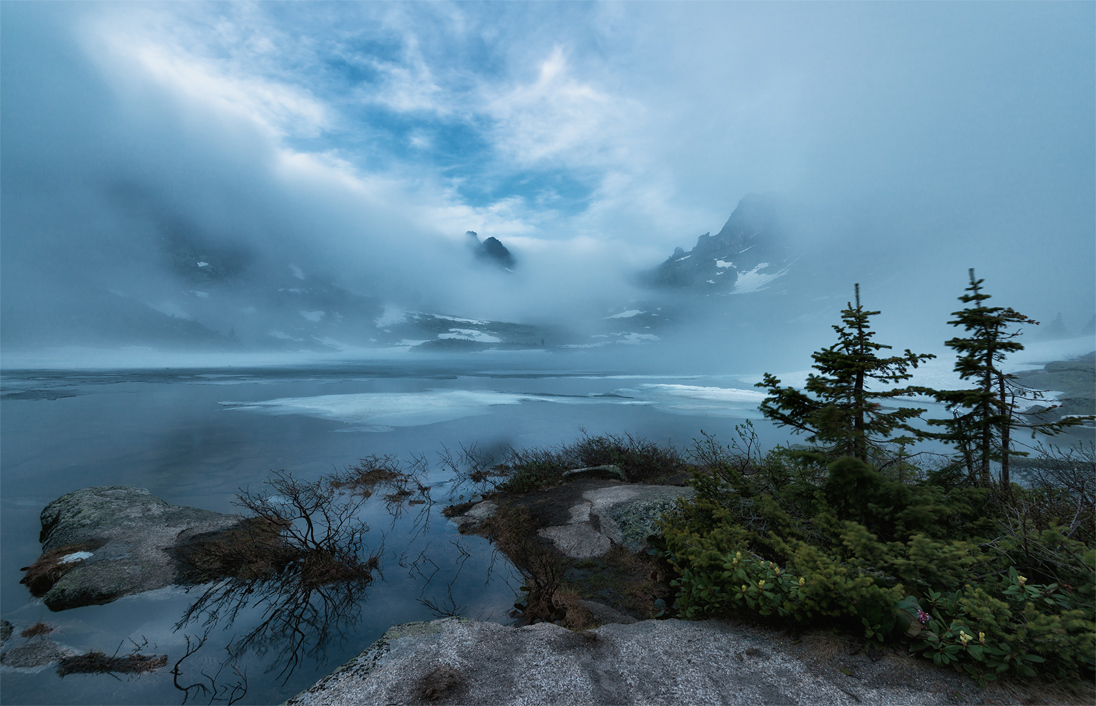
491,251
743,257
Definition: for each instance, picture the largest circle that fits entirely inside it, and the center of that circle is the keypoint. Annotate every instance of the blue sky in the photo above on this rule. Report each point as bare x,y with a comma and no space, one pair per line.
602,132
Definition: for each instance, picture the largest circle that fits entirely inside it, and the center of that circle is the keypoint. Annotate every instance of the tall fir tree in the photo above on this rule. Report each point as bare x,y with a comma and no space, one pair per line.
837,407
984,415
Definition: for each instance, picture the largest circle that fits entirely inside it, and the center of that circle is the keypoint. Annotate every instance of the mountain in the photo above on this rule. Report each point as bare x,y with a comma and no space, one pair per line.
746,256
491,251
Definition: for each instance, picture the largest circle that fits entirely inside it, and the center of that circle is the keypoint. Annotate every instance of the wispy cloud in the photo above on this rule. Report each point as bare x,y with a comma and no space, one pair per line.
365,134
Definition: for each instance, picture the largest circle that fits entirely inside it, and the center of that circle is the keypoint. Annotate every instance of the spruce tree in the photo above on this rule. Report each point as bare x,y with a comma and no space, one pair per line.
837,407
984,415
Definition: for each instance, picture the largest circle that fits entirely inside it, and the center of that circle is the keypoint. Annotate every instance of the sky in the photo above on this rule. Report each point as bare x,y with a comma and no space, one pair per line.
359,141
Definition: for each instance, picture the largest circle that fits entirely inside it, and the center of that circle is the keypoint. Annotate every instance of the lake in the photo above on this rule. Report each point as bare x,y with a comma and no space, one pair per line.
198,436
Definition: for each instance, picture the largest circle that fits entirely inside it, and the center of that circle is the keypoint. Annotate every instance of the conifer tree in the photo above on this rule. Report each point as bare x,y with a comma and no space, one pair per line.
837,407
983,416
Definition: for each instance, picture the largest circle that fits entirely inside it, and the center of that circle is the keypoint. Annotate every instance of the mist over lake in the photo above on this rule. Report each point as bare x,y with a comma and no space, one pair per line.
237,239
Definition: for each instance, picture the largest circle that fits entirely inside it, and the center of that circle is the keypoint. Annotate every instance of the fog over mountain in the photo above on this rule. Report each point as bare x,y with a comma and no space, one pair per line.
693,181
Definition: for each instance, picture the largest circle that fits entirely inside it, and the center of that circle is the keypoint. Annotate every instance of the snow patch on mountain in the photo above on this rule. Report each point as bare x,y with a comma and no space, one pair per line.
466,334
755,280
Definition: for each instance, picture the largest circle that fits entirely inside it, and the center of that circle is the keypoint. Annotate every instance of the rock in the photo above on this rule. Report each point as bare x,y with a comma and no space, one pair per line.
106,542
649,662
578,541
35,654
5,631
475,515
618,514
605,615
1073,380
594,472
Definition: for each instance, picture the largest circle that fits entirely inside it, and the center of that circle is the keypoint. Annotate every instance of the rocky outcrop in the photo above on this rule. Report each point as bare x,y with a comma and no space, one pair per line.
1073,380
491,251
743,257
618,514
475,515
99,544
649,662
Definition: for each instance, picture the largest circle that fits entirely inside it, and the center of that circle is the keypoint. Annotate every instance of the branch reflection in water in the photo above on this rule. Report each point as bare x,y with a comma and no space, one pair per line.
299,560
298,566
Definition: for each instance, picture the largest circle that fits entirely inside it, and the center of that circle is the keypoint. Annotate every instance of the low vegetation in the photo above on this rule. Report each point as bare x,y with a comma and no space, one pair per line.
37,629
527,470
953,559
96,662
48,569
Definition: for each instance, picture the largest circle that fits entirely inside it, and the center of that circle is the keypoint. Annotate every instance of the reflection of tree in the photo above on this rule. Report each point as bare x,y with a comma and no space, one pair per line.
217,691
297,569
299,560
297,619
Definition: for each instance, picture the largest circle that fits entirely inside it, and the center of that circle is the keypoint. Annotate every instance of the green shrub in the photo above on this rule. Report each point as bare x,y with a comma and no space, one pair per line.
939,566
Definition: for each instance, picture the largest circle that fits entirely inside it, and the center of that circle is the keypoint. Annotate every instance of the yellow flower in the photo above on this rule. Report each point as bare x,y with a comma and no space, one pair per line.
981,638
1021,580
761,584
801,581
964,638
743,589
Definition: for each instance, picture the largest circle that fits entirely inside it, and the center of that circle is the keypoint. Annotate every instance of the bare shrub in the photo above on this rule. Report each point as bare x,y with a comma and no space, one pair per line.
37,629
306,572
97,662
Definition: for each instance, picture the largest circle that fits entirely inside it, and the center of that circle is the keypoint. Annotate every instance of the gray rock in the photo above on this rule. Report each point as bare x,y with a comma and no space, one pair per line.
35,654
133,533
618,514
475,515
6,629
608,471
628,514
649,662
604,615
578,541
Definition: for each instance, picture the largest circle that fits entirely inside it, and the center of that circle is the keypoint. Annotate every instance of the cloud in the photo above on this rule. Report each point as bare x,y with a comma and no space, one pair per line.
361,140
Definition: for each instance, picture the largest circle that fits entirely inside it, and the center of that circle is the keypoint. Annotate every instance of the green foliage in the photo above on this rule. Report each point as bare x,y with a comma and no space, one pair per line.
851,531
937,566
984,415
836,407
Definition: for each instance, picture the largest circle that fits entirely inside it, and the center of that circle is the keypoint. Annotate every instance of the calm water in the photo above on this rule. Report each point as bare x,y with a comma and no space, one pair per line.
196,437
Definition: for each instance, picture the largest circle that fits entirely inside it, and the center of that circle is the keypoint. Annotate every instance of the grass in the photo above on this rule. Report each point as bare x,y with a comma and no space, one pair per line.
37,629
251,550
48,569
640,460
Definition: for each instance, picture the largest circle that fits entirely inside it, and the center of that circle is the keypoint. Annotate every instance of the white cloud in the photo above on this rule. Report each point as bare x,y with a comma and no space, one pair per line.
166,52
558,118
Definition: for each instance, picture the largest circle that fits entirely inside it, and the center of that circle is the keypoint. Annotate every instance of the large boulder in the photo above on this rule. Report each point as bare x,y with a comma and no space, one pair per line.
99,544
623,514
649,662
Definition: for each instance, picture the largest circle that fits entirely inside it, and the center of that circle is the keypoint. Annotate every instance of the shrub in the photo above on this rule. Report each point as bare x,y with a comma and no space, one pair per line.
923,560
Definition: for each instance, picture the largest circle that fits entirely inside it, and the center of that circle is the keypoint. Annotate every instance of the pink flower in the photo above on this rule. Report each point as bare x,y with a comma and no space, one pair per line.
923,617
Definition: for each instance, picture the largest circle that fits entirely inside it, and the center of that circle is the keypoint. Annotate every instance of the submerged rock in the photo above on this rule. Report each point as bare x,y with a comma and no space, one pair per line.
35,654
99,544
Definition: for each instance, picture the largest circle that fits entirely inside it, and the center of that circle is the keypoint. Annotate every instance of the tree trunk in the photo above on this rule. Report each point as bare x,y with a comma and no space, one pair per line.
1006,428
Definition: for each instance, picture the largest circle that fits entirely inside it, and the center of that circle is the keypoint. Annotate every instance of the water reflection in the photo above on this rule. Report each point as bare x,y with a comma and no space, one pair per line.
299,566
